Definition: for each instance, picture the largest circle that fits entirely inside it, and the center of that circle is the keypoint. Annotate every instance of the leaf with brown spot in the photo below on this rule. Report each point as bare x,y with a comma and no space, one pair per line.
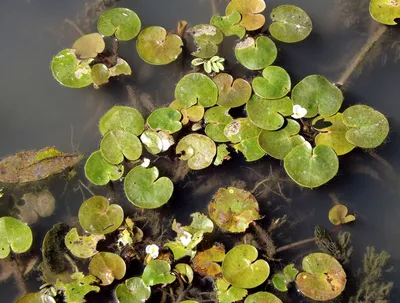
204,262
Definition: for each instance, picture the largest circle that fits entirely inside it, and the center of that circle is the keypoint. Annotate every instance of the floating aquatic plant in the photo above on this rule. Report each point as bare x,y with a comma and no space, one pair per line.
385,11
14,236
338,215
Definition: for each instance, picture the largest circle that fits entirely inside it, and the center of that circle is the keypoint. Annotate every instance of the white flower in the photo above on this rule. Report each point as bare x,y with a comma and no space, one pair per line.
152,250
298,112
186,238
146,162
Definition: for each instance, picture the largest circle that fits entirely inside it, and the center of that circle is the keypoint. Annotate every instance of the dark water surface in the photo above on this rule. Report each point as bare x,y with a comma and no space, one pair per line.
36,112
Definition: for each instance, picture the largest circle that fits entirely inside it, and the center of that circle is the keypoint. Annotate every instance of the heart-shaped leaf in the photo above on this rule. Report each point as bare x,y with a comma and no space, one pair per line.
227,293
156,142
155,46
250,11
217,118
232,93
97,216
290,24
118,144
165,119
132,290
268,114
36,297
37,204
107,266
333,133
222,154
122,118
193,114
68,70
241,261
179,251
290,272
196,88
233,209
100,74
318,96
89,46
311,167
280,282
157,272
245,134
15,236
198,150
279,143
338,215
204,263
385,11
229,25
100,172
185,272
75,291
368,127
256,54
121,22
262,297
207,37
274,84
82,246
145,190
323,278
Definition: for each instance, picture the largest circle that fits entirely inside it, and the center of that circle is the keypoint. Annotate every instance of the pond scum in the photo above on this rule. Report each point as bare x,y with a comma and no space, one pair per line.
301,126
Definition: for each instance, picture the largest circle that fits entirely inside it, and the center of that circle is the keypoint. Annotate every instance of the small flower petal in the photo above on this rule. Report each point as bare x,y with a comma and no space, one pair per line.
186,238
152,250
298,111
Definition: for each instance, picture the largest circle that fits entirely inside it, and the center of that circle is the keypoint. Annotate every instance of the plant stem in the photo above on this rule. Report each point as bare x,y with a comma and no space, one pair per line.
213,7
359,57
115,51
334,199
294,245
74,26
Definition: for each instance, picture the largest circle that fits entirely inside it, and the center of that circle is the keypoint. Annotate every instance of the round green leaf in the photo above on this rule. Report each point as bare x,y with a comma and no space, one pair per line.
233,209
318,96
157,272
368,127
311,167
207,37
97,216
262,297
185,271
338,215
198,150
144,189
250,11
229,25
121,22
217,118
256,54
280,282
279,143
268,114
290,24
132,290
232,93
274,84
89,46
166,119
107,266
15,236
100,172
290,272
82,246
196,88
36,297
100,74
241,261
119,143
122,118
227,293
156,142
323,278
121,68
333,133
385,11
193,114
155,46
245,134
70,71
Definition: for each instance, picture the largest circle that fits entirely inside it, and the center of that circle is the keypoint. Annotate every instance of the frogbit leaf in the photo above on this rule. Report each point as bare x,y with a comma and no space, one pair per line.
156,142
233,209
232,93
100,74
179,251
318,96
280,282
204,263
75,291
37,204
217,118
185,272
198,150
132,290
165,119
121,22
107,266
145,190
262,297
157,272
121,68
222,154
100,172
310,167
155,46
229,25
97,216
250,11
338,215
290,272
122,118
290,24
193,114
274,84
89,46
82,246
14,236
256,54
207,37
227,293
241,261
36,297
119,144
385,11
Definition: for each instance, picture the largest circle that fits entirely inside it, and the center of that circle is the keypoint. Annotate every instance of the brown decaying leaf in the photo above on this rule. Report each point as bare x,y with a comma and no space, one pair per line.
204,262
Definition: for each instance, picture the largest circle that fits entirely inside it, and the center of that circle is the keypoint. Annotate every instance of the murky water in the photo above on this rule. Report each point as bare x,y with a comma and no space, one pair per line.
36,112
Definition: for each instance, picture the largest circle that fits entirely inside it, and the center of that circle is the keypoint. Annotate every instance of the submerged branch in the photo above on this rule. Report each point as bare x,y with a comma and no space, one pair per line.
294,245
74,26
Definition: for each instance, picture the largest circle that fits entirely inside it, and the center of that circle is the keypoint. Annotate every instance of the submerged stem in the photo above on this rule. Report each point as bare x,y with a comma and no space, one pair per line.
296,244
